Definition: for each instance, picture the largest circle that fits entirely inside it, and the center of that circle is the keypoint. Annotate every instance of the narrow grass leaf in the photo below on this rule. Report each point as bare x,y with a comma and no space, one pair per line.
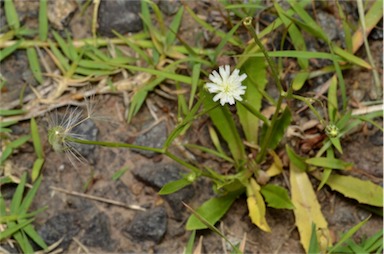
195,82
36,169
190,243
11,112
43,20
327,171
314,243
210,28
174,186
119,173
276,196
60,60
278,129
91,64
210,151
18,195
351,58
308,20
135,48
349,234
34,64
11,15
219,49
307,208
332,100
296,54
299,80
20,141
9,50
13,229
297,38
5,154
212,211
27,201
329,163
62,44
31,232
297,160
174,27
36,139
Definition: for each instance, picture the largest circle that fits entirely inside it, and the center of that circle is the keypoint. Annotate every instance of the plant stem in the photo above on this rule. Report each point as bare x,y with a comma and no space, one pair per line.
263,151
264,147
255,112
114,144
132,146
248,24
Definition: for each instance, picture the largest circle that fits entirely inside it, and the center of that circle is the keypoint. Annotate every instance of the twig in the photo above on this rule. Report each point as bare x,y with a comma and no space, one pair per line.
366,110
113,202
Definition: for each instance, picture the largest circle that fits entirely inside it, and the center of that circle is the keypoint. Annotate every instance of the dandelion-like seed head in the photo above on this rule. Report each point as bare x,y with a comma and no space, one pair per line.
226,86
61,133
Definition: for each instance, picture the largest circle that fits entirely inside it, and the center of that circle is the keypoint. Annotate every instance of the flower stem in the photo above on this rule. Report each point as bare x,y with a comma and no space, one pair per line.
114,144
132,146
255,112
248,24
264,146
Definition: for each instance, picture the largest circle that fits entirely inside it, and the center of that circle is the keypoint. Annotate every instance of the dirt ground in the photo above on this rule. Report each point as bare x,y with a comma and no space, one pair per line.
84,224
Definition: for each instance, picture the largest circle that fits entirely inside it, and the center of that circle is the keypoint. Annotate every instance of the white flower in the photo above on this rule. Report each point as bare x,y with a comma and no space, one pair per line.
227,86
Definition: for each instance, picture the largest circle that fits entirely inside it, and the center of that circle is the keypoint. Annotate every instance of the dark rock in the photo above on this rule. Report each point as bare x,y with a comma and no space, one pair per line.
98,234
65,225
169,7
377,138
330,26
121,16
153,138
150,225
87,130
377,32
158,175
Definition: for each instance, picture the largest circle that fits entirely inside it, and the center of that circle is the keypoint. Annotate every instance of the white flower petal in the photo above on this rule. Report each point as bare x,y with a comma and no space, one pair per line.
226,85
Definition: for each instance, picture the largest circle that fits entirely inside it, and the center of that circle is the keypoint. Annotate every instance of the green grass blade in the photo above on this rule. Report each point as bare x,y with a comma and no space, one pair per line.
31,232
136,48
18,195
18,142
34,64
224,40
62,44
27,201
43,20
174,27
349,234
11,15
210,28
191,241
36,139
11,112
195,82
60,60
36,169
297,38
9,50
11,230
